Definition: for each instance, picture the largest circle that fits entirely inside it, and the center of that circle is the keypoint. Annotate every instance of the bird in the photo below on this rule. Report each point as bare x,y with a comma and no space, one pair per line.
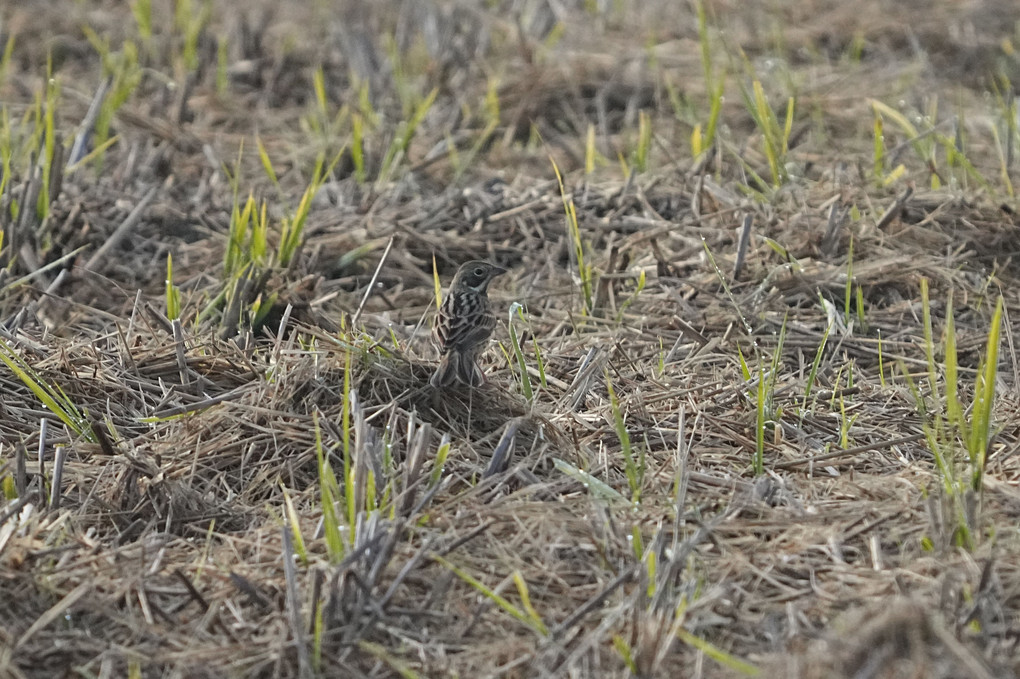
464,324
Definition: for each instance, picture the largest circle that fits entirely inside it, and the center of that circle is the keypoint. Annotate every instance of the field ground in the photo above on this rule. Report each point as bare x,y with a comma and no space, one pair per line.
756,413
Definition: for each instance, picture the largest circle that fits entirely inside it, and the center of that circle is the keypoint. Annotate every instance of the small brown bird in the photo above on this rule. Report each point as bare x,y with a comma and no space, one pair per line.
463,325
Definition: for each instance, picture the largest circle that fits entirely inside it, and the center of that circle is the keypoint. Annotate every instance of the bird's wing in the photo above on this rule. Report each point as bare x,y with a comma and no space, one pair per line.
463,322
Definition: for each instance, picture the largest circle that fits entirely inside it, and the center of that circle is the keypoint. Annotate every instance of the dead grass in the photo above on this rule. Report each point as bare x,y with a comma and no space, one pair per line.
170,550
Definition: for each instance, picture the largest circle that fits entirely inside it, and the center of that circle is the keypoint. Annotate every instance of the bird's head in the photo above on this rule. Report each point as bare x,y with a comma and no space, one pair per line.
476,275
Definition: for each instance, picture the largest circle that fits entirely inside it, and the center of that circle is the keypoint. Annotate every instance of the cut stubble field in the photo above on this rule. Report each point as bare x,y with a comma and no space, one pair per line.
750,407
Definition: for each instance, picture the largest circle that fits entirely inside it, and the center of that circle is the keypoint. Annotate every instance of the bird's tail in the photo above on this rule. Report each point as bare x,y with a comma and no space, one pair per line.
457,366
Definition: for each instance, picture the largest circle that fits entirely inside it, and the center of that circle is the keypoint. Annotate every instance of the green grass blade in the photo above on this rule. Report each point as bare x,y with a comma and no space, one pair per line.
984,401
717,654
522,591
595,486
329,491
632,469
295,526
500,601
759,425
55,400
522,366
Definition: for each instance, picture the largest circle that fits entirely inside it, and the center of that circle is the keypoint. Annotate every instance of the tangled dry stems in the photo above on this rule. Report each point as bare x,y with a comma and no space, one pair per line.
172,547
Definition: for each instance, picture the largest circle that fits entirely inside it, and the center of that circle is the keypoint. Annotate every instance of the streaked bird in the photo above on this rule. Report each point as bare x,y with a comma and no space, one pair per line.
464,324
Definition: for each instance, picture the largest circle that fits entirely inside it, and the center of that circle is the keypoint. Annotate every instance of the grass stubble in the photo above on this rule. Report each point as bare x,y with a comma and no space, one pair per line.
751,412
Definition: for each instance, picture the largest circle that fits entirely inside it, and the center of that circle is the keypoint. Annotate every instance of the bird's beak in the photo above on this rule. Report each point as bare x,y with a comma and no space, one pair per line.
498,271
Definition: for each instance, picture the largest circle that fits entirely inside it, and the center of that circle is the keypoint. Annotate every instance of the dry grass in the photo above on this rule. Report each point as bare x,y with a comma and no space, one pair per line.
189,538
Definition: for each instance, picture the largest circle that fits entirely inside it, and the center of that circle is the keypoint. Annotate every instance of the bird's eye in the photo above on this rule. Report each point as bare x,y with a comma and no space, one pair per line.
479,271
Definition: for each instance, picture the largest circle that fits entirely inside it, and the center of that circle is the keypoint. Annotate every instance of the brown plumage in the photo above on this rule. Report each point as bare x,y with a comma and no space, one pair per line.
464,324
